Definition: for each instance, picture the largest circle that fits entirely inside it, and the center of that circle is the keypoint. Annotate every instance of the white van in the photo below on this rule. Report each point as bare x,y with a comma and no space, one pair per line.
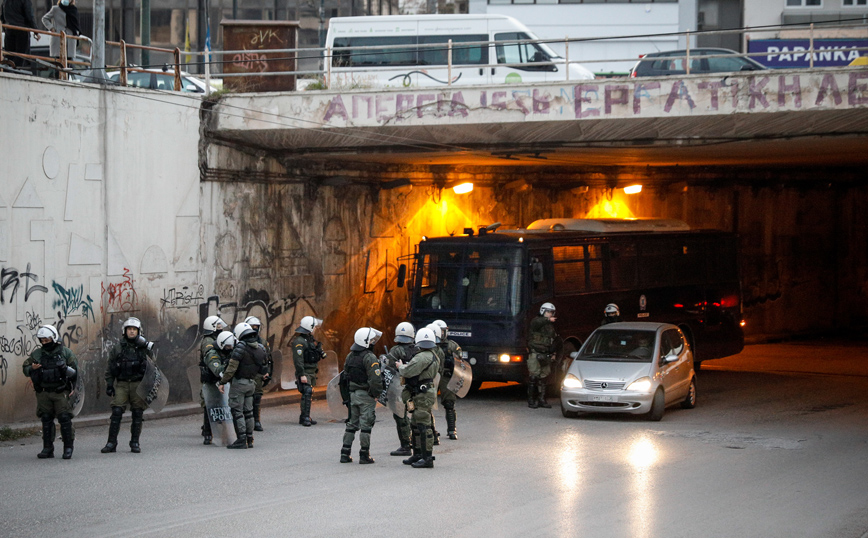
404,61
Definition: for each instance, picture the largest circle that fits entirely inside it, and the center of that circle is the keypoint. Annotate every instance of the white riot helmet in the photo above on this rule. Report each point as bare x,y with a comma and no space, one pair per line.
253,321
213,324
242,330
546,307
444,329
133,322
47,331
437,332
426,339
366,337
612,310
308,324
404,333
226,340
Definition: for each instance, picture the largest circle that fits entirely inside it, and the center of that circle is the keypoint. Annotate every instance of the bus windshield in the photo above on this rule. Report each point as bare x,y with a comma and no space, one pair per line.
459,279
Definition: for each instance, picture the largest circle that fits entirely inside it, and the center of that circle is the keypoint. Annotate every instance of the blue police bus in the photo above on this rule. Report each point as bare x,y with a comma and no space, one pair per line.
488,284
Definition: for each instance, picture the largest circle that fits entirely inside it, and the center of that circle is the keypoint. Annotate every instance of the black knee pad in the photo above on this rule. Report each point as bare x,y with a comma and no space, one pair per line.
248,414
306,390
366,431
449,406
137,413
117,411
47,419
64,417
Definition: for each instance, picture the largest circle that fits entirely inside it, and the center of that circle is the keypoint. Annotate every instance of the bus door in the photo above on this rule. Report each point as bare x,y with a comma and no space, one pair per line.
526,59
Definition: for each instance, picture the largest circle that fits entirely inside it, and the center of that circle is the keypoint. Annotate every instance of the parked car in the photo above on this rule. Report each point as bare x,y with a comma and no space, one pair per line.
659,64
156,79
632,367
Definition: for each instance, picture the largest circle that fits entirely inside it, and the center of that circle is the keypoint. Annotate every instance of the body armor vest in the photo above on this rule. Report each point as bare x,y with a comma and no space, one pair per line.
252,360
129,365
355,367
52,375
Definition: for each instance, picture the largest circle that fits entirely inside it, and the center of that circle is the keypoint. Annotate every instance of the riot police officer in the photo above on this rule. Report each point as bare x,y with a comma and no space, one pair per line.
401,351
248,358
452,352
211,327
441,365
362,369
261,380
53,369
306,353
124,371
542,341
215,362
421,394
612,314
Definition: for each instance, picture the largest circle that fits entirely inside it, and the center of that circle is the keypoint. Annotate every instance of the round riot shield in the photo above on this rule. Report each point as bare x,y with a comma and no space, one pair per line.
287,373
337,409
462,377
194,377
154,388
393,396
328,367
219,414
76,397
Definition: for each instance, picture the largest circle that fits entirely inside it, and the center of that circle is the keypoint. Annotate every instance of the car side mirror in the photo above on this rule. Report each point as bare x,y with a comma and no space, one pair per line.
672,357
402,274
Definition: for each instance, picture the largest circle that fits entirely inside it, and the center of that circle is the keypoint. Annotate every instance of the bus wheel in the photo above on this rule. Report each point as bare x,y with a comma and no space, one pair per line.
658,406
475,385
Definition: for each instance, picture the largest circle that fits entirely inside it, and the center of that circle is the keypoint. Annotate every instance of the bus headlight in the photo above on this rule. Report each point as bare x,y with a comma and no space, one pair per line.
572,382
504,358
641,385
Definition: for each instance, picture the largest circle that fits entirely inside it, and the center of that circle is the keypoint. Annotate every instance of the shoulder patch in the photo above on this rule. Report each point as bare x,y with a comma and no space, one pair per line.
298,351
377,371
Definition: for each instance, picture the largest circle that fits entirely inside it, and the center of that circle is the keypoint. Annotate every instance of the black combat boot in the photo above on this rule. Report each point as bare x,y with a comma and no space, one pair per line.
47,438
136,430
66,434
304,418
114,428
206,429
531,393
257,402
345,454
450,423
418,445
249,441
365,457
541,386
404,450
241,442
426,461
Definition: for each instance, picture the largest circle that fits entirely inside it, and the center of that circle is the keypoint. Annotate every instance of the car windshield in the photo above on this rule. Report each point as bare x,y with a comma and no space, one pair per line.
622,345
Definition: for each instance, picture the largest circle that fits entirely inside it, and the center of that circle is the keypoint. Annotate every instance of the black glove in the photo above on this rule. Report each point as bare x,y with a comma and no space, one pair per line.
110,391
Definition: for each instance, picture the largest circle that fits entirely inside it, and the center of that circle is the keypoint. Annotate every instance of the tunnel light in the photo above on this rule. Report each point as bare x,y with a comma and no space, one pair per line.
633,189
742,323
463,188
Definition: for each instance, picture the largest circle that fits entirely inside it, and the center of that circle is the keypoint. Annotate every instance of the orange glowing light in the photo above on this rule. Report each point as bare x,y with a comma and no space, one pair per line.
633,189
614,209
463,188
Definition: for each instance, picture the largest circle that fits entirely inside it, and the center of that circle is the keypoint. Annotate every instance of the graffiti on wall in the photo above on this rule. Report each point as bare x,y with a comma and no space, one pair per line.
72,301
120,296
11,278
183,296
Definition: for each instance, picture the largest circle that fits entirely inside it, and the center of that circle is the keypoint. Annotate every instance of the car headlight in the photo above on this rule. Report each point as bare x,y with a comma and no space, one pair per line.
641,385
572,382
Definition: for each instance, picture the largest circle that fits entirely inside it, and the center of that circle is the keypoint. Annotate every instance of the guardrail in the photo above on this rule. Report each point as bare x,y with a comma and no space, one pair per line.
328,56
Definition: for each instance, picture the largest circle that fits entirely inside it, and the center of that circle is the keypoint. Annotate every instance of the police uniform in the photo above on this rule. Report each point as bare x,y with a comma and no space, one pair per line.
53,385
259,383
542,342
452,352
124,371
400,352
306,353
441,368
208,343
419,376
248,358
362,369
214,364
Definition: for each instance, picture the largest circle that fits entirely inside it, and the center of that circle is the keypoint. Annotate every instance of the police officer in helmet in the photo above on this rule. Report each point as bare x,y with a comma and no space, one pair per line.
402,351
612,314
216,361
124,371
452,352
211,327
248,359
53,369
261,380
362,369
542,341
420,394
306,353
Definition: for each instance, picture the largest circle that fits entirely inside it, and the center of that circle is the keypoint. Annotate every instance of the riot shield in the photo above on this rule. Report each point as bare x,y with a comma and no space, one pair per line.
194,377
462,377
76,397
276,371
287,372
328,367
393,396
219,414
436,406
154,388
337,409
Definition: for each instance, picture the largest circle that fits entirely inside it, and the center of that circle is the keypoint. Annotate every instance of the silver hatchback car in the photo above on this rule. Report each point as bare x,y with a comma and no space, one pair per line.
636,367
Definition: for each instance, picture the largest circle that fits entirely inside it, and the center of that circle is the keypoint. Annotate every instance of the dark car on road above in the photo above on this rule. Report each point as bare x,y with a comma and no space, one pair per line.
673,62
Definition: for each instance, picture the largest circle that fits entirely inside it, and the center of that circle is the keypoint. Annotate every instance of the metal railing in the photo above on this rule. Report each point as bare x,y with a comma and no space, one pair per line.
62,61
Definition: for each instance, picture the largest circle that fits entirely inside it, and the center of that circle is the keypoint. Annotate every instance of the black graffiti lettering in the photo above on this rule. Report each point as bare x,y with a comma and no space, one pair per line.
11,278
4,370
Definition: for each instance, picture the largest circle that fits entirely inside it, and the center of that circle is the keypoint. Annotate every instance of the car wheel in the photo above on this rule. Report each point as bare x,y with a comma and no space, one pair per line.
657,406
568,414
690,400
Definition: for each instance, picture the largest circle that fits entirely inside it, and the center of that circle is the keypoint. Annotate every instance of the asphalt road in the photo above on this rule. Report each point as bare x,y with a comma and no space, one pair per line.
776,447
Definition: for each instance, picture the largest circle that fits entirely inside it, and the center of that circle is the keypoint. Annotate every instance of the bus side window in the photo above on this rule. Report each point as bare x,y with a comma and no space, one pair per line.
541,277
622,264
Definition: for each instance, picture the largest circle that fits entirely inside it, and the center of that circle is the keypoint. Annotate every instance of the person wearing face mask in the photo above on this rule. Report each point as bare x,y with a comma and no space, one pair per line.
53,369
365,383
62,17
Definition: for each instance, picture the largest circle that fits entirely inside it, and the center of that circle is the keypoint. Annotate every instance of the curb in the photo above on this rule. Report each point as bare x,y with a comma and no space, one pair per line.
269,399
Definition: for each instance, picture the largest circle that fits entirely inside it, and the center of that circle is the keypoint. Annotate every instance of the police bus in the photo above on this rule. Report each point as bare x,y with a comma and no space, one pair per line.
413,50
488,285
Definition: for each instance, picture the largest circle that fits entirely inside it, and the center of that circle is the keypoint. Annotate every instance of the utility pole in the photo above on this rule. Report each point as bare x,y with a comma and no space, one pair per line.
97,64
146,32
